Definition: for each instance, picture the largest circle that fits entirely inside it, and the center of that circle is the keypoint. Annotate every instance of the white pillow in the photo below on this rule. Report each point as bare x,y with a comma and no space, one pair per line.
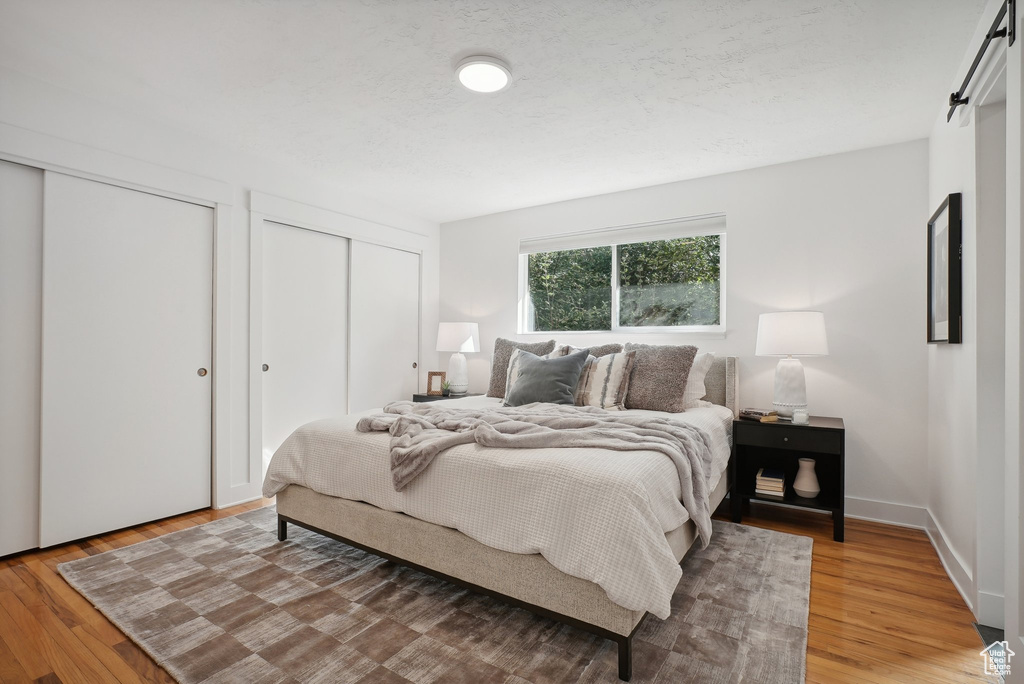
695,389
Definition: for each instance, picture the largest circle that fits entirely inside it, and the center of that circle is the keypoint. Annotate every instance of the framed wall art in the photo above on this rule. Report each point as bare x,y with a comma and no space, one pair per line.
945,277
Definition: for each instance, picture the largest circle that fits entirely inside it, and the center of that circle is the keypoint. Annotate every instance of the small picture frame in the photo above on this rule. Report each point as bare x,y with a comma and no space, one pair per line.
434,381
945,320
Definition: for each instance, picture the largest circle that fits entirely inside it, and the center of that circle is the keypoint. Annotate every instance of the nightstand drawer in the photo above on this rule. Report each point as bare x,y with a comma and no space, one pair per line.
786,437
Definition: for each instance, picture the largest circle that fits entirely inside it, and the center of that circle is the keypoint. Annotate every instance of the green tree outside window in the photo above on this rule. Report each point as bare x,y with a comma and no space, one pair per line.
571,289
670,282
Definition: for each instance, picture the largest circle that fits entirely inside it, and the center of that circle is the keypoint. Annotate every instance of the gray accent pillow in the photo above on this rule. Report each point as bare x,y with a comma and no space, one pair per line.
499,362
597,350
551,381
513,364
658,381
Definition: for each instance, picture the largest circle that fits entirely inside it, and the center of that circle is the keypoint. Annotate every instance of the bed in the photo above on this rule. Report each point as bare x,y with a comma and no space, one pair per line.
456,524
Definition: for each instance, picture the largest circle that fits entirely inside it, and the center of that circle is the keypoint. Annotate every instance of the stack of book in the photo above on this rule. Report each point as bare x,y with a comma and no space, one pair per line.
770,483
762,415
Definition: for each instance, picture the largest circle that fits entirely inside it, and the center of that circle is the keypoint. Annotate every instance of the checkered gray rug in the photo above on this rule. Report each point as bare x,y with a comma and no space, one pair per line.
227,602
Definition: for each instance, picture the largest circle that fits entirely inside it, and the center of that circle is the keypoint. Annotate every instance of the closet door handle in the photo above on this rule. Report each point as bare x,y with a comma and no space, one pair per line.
265,368
415,365
201,372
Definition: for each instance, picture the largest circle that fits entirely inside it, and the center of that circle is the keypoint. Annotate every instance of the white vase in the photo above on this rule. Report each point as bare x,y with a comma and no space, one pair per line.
806,482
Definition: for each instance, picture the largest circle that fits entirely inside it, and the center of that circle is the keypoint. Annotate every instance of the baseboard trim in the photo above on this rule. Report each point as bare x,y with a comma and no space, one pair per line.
901,515
229,504
990,610
959,574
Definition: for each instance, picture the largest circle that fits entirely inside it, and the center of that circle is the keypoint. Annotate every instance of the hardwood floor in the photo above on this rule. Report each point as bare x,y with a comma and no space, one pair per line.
882,609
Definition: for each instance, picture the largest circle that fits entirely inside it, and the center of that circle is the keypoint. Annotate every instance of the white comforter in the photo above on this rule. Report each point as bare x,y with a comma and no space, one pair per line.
592,513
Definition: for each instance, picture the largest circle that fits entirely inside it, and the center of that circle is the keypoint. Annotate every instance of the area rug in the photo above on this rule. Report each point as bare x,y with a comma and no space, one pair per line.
227,602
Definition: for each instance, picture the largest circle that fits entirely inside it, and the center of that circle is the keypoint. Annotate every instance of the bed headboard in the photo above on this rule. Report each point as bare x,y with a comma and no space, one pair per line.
722,383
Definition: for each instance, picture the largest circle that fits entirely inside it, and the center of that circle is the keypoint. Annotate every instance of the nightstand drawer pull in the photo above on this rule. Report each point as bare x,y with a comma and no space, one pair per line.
785,439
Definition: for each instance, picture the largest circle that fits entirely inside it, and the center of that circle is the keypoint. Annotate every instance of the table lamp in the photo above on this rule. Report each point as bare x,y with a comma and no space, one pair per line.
789,334
460,338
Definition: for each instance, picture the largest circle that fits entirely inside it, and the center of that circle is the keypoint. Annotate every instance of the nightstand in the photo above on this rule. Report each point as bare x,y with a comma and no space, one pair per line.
779,446
418,398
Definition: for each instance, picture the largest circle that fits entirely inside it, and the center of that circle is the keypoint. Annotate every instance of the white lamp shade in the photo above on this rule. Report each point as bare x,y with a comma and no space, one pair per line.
792,333
458,337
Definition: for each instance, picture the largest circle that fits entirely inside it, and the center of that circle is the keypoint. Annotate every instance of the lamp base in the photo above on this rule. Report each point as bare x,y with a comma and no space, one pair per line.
458,374
790,387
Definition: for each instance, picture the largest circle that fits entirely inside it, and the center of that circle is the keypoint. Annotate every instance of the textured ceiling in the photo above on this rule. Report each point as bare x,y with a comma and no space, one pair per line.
606,95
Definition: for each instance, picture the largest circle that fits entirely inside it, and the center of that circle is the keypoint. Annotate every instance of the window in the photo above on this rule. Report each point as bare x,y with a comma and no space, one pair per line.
630,283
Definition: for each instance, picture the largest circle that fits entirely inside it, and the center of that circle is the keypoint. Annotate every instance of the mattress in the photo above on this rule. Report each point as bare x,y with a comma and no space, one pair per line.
592,513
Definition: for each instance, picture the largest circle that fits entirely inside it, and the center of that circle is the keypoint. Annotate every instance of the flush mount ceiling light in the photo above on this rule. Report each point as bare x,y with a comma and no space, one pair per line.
483,74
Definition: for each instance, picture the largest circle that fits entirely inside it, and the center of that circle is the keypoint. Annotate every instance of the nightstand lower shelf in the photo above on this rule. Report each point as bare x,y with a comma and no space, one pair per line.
791,498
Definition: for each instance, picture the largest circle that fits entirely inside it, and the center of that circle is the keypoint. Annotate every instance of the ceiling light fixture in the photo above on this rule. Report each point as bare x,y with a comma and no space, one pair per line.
483,74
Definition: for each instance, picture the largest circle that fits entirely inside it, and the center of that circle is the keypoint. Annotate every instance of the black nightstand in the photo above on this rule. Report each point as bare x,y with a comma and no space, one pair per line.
779,445
418,398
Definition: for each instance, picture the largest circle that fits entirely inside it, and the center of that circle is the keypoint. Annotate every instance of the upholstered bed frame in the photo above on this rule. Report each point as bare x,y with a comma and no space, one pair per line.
526,581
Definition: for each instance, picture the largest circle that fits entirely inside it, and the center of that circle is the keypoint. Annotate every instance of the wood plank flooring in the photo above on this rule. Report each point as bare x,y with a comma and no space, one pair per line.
882,608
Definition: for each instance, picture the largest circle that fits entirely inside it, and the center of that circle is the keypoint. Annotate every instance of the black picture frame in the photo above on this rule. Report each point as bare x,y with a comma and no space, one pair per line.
945,274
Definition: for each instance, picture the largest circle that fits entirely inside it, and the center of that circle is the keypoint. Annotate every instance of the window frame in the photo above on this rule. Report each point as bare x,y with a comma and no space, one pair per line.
717,331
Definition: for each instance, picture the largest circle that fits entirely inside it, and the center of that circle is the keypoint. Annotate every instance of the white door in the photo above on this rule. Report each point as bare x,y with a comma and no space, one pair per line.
1014,407
385,325
305,330
127,348
21,265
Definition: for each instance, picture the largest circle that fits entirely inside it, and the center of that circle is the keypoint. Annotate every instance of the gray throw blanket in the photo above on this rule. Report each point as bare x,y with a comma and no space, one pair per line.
421,431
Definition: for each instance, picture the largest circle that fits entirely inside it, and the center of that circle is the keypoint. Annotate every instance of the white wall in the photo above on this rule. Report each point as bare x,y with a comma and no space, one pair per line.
952,372
843,234
84,135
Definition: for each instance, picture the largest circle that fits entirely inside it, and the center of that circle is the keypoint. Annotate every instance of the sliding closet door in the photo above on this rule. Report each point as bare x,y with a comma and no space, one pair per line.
385,325
127,337
21,264
305,330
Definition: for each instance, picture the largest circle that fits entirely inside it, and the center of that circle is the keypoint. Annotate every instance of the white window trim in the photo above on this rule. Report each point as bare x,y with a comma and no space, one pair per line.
708,331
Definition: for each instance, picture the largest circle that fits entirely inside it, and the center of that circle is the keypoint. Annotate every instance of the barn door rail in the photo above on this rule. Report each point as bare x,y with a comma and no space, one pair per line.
1007,9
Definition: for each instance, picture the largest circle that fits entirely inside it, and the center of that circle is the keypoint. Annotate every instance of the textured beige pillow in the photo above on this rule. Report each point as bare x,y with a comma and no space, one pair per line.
499,362
695,390
605,381
659,377
597,350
